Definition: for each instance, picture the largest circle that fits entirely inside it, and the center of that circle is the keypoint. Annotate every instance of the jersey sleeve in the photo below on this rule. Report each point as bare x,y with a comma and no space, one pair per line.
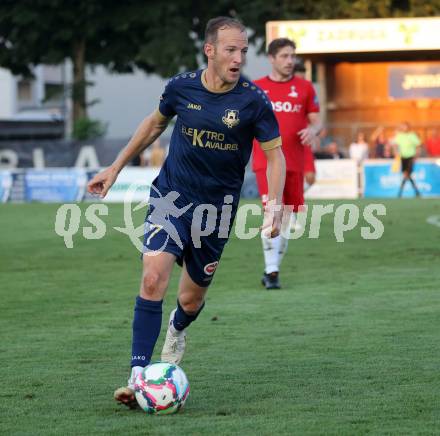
266,129
167,100
416,139
312,100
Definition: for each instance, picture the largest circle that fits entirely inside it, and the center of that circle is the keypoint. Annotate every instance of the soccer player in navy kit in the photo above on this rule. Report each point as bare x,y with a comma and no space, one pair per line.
219,112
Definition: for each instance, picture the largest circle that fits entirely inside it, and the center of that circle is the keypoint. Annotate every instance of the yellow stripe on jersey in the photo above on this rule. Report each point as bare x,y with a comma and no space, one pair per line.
160,119
273,143
161,116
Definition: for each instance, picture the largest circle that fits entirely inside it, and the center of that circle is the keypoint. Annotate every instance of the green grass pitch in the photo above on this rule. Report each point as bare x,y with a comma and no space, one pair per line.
349,346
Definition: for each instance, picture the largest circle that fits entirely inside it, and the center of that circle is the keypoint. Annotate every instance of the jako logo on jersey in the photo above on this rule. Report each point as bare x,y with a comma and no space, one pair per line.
292,92
210,268
231,118
285,106
194,106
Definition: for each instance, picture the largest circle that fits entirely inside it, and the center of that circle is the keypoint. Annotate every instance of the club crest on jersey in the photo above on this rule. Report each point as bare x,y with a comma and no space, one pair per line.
293,92
231,118
210,268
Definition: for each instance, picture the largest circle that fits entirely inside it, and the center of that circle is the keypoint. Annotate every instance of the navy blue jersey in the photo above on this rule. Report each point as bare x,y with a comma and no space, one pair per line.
212,139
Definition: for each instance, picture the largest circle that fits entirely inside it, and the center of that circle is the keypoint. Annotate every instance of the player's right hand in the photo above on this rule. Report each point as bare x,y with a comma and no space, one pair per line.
102,182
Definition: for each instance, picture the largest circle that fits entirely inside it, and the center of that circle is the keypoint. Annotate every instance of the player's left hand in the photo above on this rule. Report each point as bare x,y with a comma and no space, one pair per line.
271,226
307,135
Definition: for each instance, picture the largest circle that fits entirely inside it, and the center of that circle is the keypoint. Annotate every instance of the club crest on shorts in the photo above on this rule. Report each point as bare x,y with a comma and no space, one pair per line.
231,118
210,268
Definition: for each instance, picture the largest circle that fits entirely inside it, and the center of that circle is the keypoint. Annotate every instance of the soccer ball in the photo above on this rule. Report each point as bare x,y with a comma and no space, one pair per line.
161,388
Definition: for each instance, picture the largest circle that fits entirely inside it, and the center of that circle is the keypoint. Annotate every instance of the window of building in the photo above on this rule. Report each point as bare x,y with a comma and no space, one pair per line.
53,92
24,91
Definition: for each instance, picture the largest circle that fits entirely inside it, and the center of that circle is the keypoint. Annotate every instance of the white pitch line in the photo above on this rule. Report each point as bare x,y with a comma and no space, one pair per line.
434,220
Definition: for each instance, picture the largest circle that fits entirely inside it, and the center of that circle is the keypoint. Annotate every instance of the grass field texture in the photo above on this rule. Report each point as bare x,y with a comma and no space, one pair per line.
349,346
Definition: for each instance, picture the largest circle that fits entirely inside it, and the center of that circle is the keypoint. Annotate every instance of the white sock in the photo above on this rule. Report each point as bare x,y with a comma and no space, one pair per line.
174,331
270,251
282,249
135,371
284,239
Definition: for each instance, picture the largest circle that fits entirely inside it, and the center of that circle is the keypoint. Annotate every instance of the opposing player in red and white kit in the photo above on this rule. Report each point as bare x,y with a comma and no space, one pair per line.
297,110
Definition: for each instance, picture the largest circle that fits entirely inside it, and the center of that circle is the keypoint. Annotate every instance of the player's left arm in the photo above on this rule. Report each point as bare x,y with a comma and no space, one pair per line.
267,133
310,134
276,175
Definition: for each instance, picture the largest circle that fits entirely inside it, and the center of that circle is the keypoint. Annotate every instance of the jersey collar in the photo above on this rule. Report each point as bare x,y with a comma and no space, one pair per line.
205,84
277,81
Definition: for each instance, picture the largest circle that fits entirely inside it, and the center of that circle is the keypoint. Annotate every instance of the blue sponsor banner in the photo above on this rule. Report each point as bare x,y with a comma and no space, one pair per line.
416,81
5,185
55,185
380,181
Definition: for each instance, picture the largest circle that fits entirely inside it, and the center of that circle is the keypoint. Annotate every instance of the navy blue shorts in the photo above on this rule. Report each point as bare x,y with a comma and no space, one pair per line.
178,235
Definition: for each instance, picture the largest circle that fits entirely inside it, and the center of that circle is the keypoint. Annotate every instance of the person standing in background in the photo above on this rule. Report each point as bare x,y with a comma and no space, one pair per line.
309,159
296,107
433,144
379,143
358,150
407,145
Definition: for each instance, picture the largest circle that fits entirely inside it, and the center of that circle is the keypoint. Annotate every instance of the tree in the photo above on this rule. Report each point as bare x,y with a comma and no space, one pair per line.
118,35
160,37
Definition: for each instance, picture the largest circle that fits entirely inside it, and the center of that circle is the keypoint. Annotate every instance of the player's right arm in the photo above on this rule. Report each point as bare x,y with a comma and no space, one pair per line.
146,133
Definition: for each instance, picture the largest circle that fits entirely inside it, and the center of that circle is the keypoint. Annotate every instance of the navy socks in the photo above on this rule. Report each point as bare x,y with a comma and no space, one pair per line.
146,328
182,319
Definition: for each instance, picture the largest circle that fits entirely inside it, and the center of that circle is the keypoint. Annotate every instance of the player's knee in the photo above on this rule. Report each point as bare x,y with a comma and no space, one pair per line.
191,305
153,285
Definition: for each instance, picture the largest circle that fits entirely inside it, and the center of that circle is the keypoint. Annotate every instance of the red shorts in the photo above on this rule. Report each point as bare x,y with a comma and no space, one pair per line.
293,194
309,160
